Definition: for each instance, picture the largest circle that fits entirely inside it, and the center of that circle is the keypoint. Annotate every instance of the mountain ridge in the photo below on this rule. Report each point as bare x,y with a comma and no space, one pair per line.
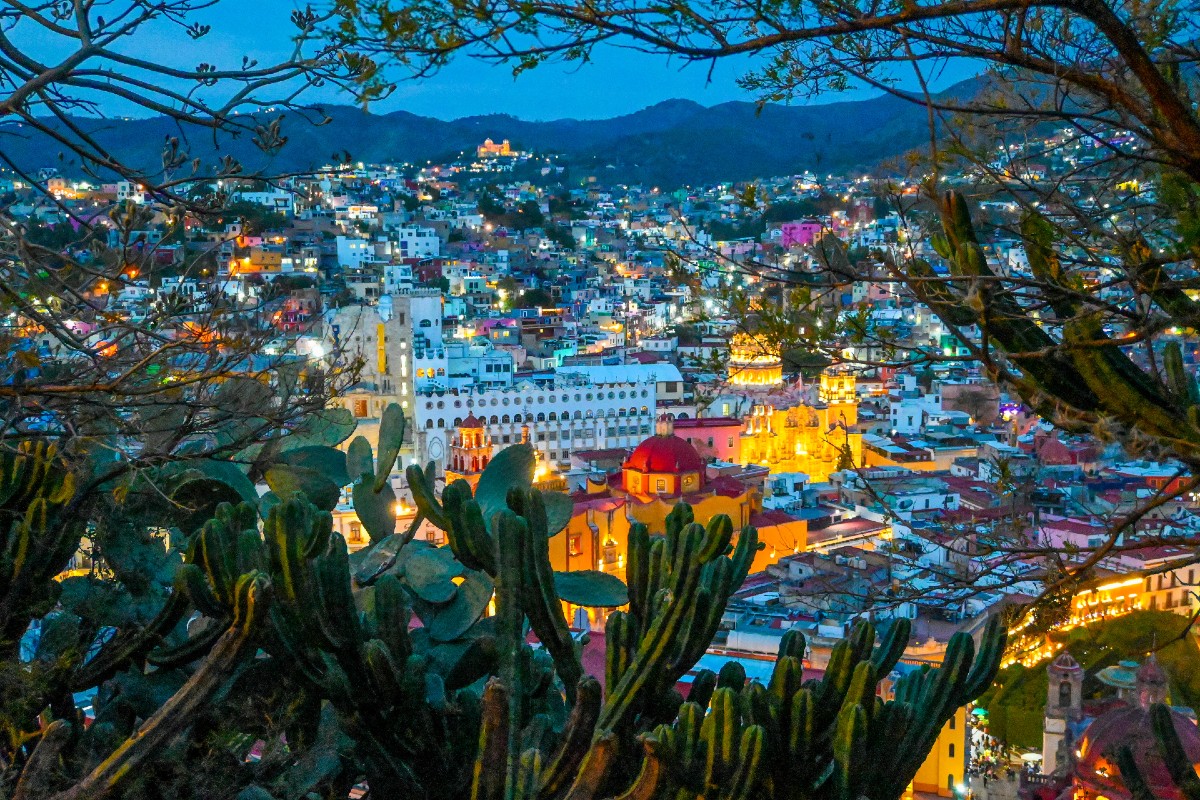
673,142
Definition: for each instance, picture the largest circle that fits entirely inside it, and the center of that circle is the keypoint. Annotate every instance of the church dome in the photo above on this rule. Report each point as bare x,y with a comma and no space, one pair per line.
665,454
471,421
1130,726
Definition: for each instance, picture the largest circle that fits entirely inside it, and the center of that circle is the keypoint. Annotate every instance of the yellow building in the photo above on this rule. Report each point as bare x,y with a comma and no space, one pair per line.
490,149
944,768
815,439
754,362
660,472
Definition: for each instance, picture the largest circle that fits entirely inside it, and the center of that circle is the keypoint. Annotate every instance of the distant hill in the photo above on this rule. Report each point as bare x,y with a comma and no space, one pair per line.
672,143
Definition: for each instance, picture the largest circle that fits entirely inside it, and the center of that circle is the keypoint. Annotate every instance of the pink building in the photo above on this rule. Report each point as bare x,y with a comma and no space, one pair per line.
800,234
713,437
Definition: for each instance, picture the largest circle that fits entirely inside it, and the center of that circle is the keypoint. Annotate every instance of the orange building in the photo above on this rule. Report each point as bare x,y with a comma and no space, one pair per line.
660,472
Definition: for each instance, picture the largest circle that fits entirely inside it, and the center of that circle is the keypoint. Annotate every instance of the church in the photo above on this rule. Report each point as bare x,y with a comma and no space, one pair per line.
657,474
1079,750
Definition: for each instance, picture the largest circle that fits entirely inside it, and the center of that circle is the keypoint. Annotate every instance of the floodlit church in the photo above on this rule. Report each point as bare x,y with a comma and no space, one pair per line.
789,427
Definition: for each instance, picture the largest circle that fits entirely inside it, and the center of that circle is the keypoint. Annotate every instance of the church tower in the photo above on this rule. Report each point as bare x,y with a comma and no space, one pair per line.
1064,707
469,453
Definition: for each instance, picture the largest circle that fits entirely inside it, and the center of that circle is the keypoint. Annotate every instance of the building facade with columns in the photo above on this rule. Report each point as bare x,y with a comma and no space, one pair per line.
569,414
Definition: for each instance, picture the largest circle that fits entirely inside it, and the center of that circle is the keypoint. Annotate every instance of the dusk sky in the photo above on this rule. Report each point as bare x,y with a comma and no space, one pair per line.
617,82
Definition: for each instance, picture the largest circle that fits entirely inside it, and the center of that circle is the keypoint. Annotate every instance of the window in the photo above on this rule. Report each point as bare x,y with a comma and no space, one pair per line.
575,544
355,532
660,485
952,723
951,750
1064,694
360,408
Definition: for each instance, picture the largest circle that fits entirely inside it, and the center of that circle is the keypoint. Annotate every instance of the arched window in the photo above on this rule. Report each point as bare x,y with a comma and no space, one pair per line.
493,419
541,417
578,415
457,421
505,419
428,424
1064,694
621,413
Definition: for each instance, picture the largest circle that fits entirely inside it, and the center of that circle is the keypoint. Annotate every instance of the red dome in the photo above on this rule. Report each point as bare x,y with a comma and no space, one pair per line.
471,421
665,454
1130,726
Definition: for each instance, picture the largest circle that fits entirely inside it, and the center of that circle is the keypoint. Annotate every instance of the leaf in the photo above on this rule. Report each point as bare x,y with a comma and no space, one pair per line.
391,438
376,510
589,587
511,468
230,474
359,458
559,509
437,592
328,461
371,561
468,605
429,567
330,427
286,480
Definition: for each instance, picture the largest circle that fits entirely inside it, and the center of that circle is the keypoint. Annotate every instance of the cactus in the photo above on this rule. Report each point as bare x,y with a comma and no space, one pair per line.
37,539
1170,749
465,704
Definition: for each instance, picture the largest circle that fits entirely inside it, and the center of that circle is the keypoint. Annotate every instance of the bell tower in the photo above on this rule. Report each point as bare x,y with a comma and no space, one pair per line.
469,453
1064,707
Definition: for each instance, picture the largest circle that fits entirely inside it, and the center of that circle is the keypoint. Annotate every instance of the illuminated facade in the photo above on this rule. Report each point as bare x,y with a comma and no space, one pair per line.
814,438
660,472
490,149
753,362
470,452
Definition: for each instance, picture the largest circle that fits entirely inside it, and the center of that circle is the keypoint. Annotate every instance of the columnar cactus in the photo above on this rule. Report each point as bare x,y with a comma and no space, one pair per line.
466,703
731,739
36,539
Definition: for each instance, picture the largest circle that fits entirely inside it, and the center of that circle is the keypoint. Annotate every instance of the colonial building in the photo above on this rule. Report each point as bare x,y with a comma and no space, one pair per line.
1080,763
660,472
567,415
797,429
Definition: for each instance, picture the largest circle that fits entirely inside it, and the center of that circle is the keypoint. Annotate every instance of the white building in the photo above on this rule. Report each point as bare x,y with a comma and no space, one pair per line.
354,253
413,241
573,414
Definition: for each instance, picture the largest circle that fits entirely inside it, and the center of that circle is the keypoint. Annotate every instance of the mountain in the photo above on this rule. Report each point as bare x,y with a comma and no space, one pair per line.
671,143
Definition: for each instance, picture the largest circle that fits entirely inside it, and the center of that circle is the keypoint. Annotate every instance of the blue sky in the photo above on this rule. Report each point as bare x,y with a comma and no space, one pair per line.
616,82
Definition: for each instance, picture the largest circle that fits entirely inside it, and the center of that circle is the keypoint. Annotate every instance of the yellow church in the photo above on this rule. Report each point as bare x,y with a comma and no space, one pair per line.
787,428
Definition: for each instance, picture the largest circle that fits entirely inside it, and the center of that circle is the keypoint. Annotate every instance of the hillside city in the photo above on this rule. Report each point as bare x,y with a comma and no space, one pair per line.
506,297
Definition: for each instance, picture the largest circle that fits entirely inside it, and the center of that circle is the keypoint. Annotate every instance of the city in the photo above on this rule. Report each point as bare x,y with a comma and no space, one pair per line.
538,470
